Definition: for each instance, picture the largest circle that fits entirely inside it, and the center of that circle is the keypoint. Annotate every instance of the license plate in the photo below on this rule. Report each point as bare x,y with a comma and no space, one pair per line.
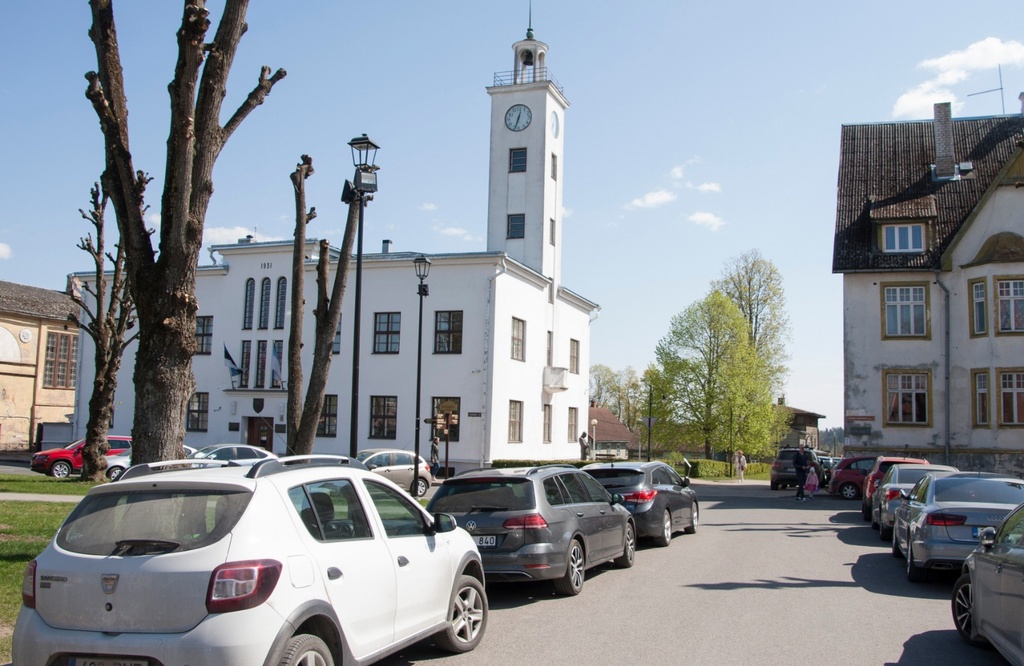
486,541
107,661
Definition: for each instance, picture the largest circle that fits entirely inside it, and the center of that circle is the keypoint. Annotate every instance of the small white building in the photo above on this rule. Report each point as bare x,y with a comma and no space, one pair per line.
506,347
929,224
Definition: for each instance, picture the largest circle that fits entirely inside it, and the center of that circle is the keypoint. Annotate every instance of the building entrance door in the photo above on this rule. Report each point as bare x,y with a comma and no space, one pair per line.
261,433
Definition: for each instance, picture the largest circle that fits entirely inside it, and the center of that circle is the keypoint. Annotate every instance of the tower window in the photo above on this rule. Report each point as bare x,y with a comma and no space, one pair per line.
517,226
554,166
517,160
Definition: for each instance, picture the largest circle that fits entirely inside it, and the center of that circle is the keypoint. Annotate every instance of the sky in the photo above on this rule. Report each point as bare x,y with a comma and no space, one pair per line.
696,132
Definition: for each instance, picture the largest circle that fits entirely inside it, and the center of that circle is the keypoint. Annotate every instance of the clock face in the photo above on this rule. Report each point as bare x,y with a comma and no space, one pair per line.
518,117
554,124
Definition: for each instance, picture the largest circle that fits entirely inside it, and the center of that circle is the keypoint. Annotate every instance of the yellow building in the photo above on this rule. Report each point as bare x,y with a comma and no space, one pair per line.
38,362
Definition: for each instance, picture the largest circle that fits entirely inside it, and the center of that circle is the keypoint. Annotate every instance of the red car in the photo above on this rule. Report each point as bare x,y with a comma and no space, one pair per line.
848,476
875,474
61,463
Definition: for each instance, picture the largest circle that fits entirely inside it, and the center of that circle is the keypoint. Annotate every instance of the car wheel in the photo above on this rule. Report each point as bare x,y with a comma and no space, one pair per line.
421,487
692,529
865,512
775,485
962,605
849,491
114,473
467,618
896,552
306,650
665,538
915,574
60,470
884,533
572,582
625,560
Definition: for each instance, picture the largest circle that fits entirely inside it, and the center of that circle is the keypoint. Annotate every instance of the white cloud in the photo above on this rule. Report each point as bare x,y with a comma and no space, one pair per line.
953,68
676,173
652,199
5,251
709,220
428,207
705,187
228,235
566,213
457,232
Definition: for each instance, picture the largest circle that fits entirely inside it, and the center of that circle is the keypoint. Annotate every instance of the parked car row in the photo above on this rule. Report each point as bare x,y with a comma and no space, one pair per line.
63,462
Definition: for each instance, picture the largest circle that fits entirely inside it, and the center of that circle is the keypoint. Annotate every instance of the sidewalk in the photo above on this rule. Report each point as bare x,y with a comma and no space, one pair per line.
40,497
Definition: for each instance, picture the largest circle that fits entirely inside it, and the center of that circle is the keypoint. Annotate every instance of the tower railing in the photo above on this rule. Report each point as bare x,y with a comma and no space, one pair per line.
531,75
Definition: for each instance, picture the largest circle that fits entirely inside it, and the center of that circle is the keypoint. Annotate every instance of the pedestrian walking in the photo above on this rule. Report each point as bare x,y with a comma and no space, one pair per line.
435,457
740,462
800,465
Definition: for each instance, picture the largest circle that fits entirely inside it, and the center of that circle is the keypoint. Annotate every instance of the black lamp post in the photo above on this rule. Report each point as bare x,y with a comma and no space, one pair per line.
422,265
364,154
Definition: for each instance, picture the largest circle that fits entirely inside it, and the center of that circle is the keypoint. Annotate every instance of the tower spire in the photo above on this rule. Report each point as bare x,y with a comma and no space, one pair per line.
529,29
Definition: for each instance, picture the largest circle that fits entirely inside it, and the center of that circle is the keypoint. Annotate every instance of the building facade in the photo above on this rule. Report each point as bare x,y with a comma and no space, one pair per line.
38,364
506,346
929,225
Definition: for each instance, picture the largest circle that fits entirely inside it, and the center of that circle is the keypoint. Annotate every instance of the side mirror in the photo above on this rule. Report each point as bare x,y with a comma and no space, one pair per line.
444,522
372,467
618,498
987,537
686,482
904,494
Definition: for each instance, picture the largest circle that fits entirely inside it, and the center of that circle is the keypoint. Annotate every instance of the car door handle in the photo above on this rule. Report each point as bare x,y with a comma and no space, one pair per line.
402,560
579,514
333,573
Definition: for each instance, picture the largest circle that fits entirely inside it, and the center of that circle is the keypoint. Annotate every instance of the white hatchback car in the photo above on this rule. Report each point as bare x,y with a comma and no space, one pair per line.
302,560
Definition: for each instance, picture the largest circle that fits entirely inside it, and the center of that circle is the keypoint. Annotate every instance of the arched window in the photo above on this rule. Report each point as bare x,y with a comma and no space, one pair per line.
250,296
282,296
265,303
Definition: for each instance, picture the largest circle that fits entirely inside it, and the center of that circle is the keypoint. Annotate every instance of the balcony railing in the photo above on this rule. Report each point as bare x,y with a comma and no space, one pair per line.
532,75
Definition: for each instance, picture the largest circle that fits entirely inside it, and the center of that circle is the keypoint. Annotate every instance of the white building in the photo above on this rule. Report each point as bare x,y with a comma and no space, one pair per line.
929,224
502,338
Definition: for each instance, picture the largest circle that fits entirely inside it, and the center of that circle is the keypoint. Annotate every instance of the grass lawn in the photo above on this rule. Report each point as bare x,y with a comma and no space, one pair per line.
25,483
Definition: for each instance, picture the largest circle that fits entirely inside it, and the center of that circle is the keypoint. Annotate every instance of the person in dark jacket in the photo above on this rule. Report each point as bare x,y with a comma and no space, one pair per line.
800,464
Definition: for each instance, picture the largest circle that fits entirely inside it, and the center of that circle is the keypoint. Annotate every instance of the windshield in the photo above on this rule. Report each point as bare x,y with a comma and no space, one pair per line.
995,491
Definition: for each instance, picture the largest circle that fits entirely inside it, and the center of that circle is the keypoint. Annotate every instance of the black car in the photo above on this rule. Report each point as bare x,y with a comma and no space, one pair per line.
660,500
782,472
551,522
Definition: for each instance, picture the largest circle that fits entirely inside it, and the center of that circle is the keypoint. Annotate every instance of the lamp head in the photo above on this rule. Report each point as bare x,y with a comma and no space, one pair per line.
364,151
422,265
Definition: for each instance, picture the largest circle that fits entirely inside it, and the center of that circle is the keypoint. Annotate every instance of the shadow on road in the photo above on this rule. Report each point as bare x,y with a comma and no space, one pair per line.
944,647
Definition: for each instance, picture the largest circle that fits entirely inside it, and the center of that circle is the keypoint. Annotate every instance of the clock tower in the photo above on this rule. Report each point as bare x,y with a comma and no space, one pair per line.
524,210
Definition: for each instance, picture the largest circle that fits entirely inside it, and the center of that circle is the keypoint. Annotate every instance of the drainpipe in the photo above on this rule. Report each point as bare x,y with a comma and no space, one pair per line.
488,365
945,341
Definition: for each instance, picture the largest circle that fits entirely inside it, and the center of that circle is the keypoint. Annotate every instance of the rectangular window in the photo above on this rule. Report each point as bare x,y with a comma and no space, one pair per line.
516,226
547,424
981,401
903,238
574,356
383,416
554,166
1011,397
453,430
243,379
276,376
550,357
261,363
551,232
61,366
518,339
336,345
448,332
905,311
907,399
517,160
197,419
1010,295
574,423
979,308
515,421
328,424
204,335
387,327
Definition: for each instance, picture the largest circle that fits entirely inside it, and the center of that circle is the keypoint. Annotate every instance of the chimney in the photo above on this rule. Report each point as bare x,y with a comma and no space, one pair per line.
944,162
1021,98
385,247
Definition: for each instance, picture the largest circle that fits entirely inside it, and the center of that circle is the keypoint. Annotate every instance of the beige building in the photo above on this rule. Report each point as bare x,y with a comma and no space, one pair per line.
38,362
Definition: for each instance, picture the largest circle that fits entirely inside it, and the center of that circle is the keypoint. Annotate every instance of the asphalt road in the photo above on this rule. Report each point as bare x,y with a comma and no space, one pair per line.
766,580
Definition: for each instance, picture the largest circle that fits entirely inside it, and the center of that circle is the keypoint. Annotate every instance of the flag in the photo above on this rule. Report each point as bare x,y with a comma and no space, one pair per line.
275,367
230,363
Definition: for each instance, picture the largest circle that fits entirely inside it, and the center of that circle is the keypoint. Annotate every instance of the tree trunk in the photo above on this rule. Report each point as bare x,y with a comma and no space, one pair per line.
295,375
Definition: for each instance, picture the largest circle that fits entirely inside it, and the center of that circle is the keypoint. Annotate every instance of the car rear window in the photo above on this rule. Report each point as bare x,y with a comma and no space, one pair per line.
617,477
490,494
151,521
996,491
912,475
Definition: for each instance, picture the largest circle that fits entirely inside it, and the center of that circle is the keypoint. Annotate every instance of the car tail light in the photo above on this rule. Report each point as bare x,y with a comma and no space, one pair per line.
641,496
776,464
533,521
891,494
236,586
945,519
28,585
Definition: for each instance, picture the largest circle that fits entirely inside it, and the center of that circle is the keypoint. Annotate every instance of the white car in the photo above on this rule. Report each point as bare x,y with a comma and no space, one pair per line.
301,560
117,464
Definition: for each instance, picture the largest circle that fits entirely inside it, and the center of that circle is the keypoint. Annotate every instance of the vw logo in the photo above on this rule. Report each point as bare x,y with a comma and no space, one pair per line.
470,526
109,582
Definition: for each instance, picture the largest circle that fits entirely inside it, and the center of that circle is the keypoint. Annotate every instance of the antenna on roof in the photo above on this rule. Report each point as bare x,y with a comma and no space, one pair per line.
999,89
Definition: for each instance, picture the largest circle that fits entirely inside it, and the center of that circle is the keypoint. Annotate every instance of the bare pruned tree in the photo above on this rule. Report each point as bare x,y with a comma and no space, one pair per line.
109,313
162,279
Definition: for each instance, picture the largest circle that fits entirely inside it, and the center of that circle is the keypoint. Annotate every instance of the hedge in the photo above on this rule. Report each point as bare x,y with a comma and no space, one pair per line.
700,468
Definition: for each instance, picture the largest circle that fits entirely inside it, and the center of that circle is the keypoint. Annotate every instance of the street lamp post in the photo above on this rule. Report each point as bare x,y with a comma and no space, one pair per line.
364,153
593,436
422,265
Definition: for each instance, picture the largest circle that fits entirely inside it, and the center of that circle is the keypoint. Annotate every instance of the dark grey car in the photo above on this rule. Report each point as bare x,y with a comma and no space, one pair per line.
661,501
551,522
